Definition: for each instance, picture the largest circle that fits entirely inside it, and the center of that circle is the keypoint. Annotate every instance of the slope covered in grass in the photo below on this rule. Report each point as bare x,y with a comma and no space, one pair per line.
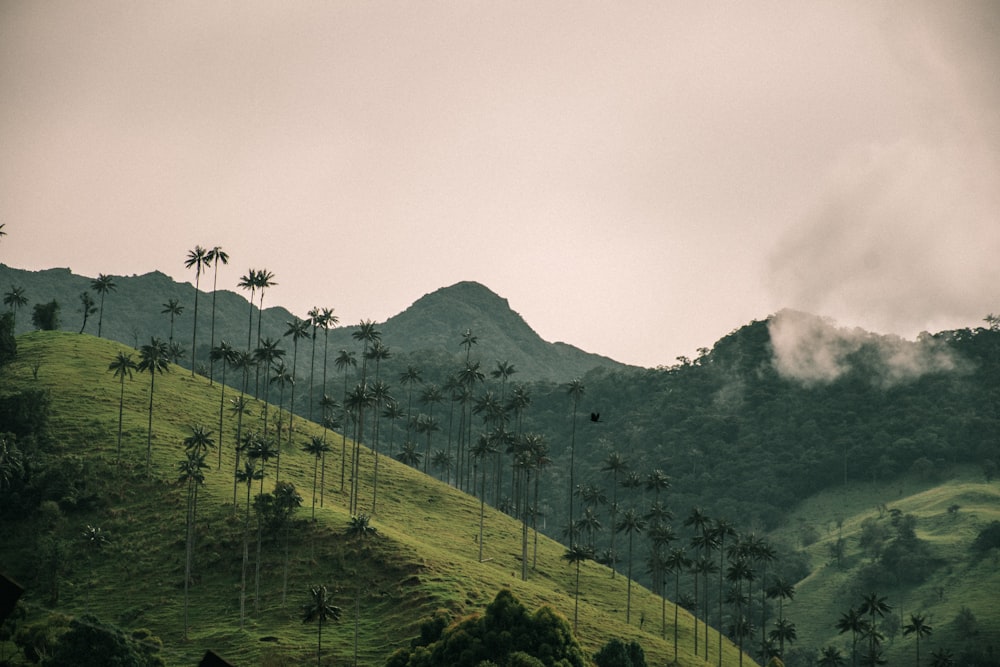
937,576
423,560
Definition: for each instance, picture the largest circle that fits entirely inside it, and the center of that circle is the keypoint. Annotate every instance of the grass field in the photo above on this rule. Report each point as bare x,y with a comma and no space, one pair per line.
424,558
958,579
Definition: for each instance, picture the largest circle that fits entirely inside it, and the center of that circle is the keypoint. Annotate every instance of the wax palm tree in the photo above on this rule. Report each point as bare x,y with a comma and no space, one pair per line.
615,464
329,320
539,451
919,628
408,455
781,590
721,529
468,340
360,529
197,259
264,279
297,329
344,361
283,378
122,366
853,621
408,378
380,394
261,448
15,300
242,361
676,562
393,412
247,475
738,572
330,406
227,355
431,396
575,390
762,554
784,631
102,284
873,605
173,308
367,334
319,609
576,555
248,282
200,440
214,257
152,360
484,448
87,307
267,354
830,657
631,524
356,402
191,474
660,537
315,321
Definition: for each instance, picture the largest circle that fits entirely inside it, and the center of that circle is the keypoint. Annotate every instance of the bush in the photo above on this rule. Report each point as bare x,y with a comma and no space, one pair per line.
988,538
8,344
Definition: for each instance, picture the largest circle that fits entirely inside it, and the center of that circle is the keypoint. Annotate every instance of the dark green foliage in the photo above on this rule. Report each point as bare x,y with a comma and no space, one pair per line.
988,538
8,345
618,654
90,643
45,316
25,413
505,636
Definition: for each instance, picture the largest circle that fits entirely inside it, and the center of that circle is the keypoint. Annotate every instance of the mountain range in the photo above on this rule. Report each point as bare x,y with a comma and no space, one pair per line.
433,325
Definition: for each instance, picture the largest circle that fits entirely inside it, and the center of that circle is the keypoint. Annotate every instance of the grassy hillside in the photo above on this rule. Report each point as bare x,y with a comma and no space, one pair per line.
948,515
424,559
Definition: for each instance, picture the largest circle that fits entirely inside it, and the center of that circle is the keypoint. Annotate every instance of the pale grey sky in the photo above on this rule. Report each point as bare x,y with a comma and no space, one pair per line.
637,178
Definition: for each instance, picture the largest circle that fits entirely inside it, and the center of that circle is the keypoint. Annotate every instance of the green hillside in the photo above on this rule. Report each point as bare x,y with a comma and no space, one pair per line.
937,577
423,560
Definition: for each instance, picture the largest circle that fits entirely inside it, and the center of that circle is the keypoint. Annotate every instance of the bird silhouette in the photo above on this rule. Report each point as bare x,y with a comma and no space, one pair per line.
595,417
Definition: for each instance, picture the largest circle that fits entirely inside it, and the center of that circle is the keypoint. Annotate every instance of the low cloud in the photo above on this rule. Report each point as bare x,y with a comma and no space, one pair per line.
814,350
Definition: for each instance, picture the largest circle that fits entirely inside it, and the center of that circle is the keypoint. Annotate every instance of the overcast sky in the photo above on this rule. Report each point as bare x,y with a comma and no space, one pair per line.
636,178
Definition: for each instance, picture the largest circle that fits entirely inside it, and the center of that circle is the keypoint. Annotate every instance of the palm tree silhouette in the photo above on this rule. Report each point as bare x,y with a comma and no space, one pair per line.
152,360
873,605
615,464
213,257
297,329
173,308
631,524
102,285
190,468
830,657
266,355
676,562
575,389
263,280
248,281
853,621
318,448
247,475
122,366
15,300
408,378
197,258
227,355
919,628
319,609
485,446
344,361
576,555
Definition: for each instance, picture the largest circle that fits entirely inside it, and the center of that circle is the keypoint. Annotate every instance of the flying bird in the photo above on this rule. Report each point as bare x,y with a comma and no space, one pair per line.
596,417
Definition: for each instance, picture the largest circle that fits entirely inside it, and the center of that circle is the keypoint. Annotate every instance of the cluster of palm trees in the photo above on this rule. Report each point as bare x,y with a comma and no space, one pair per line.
862,622
738,562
